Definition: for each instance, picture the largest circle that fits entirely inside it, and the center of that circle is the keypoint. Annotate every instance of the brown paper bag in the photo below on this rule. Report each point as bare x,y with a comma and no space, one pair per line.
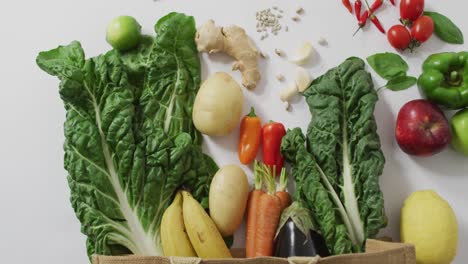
377,252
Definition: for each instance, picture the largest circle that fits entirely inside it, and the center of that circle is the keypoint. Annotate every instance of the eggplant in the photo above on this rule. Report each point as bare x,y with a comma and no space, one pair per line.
296,236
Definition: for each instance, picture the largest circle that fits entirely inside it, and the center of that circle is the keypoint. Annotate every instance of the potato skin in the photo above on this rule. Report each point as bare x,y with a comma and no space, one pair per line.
229,191
218,105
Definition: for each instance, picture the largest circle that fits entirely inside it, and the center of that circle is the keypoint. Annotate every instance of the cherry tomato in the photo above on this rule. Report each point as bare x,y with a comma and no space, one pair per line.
411,9
399,37
422,28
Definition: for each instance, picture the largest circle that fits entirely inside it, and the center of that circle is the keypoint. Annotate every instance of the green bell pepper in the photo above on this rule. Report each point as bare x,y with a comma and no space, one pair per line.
444,80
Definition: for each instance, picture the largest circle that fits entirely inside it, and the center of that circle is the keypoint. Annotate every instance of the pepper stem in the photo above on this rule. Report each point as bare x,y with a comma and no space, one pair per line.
454,76
252,112
357,30
368,7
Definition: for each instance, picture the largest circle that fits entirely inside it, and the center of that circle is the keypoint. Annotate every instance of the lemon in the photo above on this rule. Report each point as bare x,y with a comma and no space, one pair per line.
428,222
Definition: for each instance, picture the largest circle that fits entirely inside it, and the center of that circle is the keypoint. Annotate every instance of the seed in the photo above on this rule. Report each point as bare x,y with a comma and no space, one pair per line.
279,52
263,55
296,18
280,77
299,10
322,41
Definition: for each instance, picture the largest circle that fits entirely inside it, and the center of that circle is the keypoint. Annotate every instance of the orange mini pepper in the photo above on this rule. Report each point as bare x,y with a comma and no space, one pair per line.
249,137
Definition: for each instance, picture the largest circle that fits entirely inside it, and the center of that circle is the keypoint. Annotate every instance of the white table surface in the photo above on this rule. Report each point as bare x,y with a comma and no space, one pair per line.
37,223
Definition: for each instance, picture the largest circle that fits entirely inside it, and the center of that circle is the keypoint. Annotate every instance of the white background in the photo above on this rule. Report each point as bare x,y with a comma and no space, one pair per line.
37,223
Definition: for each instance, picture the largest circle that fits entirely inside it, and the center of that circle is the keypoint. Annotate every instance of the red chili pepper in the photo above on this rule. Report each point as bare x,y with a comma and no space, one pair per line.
377,24
348,6
376,5
363,18
357,9
273,133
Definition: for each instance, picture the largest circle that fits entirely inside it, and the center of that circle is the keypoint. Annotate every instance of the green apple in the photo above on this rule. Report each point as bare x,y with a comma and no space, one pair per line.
460,131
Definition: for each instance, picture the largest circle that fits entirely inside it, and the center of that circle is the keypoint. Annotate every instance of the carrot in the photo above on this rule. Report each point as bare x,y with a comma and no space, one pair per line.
268,216
252,207
284,196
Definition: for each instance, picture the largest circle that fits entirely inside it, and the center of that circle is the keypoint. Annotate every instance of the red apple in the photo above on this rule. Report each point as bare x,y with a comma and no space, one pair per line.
422,128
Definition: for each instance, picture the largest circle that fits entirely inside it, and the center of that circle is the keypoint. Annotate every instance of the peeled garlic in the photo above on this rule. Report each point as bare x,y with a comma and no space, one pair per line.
280,77
303,53
302,79
288,93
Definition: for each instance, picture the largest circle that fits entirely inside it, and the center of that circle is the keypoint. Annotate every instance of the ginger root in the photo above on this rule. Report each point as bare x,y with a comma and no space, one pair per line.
235,42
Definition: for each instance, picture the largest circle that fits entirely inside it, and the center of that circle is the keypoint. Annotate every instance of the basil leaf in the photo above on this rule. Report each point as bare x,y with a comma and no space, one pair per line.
445,29
388,65
401,83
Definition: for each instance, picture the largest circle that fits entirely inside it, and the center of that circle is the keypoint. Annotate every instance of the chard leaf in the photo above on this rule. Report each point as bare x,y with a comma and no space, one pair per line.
337,166
130,142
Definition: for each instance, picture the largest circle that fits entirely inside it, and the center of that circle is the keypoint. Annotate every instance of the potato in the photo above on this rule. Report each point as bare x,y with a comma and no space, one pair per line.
218,105
229,191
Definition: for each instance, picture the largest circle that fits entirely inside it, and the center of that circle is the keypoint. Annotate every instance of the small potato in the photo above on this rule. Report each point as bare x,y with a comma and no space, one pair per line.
229,191
218,105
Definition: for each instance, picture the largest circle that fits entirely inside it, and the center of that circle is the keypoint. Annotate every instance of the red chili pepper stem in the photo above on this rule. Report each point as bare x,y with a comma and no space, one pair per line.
376,5
362,21
367,4
357,30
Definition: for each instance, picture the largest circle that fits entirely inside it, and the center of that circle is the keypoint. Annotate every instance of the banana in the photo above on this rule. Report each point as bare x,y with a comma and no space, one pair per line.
175,241
202,231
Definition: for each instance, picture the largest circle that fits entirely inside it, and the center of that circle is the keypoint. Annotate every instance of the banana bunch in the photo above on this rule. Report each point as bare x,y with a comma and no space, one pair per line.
188,231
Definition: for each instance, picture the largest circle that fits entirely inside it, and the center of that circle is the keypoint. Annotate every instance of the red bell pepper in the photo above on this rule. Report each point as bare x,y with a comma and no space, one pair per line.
273,133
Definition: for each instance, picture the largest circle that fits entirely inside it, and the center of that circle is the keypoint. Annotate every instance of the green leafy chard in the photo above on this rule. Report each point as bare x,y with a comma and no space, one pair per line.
130,142
338,163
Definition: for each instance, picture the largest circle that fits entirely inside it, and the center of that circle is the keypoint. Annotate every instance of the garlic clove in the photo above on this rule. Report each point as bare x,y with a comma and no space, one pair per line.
288,93
302,79
303,53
